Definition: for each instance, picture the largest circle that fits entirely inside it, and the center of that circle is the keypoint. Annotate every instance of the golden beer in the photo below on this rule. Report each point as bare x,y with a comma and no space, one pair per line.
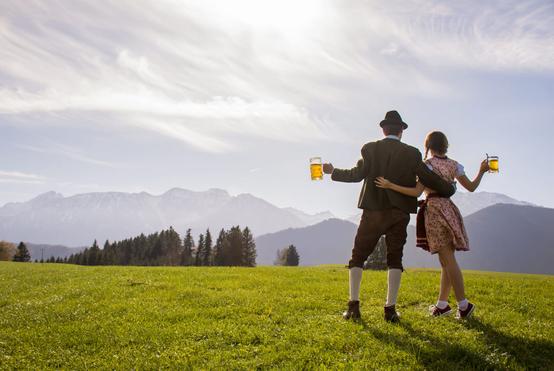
316,168
493,164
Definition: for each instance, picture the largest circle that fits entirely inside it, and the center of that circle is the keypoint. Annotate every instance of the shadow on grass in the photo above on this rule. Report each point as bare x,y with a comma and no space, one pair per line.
527,353
430,351
434,353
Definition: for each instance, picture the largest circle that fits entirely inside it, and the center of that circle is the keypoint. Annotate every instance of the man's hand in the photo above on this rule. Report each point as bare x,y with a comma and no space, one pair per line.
328,168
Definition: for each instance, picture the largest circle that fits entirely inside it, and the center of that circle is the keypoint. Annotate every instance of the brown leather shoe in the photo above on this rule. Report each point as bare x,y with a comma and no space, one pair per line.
353,311
391,315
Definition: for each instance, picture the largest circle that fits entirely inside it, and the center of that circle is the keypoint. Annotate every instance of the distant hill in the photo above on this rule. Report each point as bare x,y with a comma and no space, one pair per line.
328,242
37,251
505,238
77,220
509,238
471,202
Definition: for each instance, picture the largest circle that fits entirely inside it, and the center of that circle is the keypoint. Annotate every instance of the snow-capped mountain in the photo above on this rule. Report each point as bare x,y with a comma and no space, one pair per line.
470,203
310,219
78,220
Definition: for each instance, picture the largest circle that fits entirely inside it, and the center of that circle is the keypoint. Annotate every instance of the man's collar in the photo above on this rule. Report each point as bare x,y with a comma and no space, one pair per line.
392,137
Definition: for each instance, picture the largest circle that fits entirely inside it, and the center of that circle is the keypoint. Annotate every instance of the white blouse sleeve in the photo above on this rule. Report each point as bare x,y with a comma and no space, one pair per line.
460,170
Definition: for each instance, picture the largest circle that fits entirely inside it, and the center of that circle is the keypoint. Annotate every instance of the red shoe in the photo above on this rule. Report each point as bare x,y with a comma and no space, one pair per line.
435,311
467,313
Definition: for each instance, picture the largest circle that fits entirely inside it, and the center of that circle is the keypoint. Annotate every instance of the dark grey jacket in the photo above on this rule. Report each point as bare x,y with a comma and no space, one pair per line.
399,163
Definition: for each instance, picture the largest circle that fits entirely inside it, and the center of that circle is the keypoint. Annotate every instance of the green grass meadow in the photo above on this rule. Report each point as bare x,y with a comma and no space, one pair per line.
77,317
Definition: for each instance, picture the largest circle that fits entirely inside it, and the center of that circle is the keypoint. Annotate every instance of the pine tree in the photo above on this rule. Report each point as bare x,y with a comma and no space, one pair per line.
155,251
207,251
249,248
174,249
107,254
292,258
288,256
93,253
22,254
220,248
199,250
235,247
83,259
188,246
378,258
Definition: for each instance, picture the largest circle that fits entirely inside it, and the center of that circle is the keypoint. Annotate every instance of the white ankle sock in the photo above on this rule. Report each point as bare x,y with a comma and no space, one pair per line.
462,305
441,304
355,281
394,285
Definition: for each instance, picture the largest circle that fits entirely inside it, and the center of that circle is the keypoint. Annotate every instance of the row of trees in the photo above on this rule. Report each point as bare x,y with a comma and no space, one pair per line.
233,247
288,256
8,251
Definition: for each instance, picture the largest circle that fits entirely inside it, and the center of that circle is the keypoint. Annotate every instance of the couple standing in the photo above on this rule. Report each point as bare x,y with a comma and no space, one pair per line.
394,176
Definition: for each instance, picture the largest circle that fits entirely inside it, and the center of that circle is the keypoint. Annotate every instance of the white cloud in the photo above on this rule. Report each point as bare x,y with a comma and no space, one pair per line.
69,152
206,72
19,177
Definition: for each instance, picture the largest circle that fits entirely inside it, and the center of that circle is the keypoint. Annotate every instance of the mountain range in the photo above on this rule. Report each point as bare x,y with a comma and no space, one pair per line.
503,237
51,222
77,220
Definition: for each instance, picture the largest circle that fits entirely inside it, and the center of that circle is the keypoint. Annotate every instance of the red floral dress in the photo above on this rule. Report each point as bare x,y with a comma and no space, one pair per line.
443,221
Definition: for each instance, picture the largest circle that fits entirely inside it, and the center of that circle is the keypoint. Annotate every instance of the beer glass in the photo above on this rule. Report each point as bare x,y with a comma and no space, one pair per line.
316,168
493,164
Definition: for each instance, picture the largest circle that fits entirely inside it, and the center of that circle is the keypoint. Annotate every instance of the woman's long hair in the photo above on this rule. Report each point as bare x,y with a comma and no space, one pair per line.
437,142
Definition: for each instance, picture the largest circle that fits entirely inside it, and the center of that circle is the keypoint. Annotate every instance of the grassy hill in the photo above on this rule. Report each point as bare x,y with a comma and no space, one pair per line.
74,317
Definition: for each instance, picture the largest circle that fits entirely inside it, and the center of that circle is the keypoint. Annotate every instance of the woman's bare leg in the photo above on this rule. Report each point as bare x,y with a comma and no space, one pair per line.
449,263
445,287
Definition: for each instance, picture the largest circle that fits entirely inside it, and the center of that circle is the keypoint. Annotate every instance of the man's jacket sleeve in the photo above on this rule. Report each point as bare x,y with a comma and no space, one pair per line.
431,180
354,175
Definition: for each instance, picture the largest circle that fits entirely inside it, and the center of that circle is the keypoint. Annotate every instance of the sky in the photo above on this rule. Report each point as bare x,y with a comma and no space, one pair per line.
134,96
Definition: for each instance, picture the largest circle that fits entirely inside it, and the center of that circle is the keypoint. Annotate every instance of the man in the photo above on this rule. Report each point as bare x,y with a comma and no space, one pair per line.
385,212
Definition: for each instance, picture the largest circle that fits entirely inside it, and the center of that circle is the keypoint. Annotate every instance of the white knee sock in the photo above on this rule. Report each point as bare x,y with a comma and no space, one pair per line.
441,304
462,305
394,285
355,281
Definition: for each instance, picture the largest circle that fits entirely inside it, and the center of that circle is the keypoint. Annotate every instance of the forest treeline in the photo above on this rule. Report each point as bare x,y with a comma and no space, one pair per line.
232,247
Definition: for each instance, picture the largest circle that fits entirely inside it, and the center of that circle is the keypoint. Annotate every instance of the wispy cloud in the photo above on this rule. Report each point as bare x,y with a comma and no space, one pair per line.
206,72
508,35
69,152
20,177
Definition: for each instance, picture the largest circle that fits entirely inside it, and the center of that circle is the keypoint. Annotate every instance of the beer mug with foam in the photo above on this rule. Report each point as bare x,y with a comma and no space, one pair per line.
493,163
316,168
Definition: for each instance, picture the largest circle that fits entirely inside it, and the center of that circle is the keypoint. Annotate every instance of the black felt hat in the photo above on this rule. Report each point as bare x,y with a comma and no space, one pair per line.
393,118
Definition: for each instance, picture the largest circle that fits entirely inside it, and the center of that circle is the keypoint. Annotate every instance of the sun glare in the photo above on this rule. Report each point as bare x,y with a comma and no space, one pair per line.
282,15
